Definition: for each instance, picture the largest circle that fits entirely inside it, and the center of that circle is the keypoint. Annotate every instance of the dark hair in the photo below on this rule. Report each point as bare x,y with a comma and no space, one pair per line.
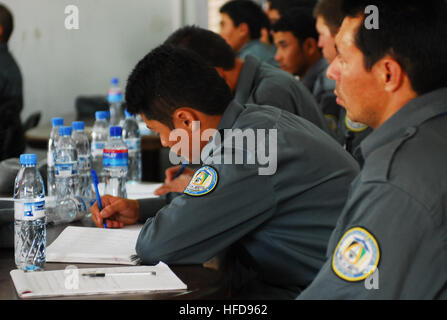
300,22
249,12
331,12
7,22
209,45
413,32
283,6
172,77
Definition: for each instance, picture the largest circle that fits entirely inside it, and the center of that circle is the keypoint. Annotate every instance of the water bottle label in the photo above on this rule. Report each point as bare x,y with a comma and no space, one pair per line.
65,170
97,148
115,158
133,145
29,211
84,162
115,96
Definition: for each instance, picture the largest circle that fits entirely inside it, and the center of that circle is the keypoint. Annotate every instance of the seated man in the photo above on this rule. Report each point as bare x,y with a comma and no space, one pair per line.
274,215
12,138
329,18
390,241
298,53
241,25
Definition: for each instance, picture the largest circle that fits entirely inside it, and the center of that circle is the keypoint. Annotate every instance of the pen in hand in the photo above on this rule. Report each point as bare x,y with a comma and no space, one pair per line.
182,168
98,197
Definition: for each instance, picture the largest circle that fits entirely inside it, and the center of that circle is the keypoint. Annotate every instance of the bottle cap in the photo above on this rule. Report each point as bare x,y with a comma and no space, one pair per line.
101,115
57,122
128,114
65,131
114,81
107,114
116,131
28,159
78,125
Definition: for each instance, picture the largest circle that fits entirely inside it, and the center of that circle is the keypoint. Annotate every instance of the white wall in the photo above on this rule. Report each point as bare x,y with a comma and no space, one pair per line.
59,64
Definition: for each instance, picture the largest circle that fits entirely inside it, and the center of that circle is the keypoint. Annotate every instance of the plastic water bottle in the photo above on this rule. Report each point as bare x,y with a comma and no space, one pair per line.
69,209
100,135
51,156
29,216
132,137
115,99
115,164
84,164
66,165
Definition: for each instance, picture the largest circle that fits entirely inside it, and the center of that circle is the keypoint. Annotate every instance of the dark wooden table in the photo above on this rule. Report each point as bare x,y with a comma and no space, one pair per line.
202,282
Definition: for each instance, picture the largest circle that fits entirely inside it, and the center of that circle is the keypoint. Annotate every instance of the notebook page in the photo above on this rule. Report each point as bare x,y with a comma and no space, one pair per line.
94,245
71,282
137,191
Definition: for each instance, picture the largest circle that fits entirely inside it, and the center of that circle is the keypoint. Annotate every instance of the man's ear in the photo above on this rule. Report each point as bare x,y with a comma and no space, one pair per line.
310,46
391,74
184,118
244,30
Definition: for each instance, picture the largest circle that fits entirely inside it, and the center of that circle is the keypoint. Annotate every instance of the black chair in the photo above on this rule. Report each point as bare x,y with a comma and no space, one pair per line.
32,121
86,106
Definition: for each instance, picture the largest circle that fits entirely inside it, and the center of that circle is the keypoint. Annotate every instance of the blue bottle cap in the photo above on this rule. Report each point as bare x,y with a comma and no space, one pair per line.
101,115
128,114
114,81
57,122
78,125
28,159
116,131
107,114
65,131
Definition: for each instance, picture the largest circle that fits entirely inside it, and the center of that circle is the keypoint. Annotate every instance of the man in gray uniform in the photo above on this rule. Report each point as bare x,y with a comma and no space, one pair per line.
251,80
390,241
276,224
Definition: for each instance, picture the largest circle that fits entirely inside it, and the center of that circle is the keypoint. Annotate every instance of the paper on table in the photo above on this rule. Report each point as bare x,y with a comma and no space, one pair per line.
136,191
70,282
95,245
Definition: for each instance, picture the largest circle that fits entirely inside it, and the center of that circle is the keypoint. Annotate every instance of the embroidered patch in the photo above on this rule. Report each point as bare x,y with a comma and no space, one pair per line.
355,126
357,255
203,182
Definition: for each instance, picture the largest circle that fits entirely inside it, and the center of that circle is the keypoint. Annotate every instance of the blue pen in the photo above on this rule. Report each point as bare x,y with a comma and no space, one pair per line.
182,168
98,198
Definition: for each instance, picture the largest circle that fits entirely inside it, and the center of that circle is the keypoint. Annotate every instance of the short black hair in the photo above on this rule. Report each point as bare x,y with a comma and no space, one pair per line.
249,12
283,6
7,22
209,45
331,12
168,78
413,32
300,22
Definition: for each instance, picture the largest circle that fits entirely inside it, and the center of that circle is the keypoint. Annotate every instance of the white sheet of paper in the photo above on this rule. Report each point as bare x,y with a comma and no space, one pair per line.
70,282
95,245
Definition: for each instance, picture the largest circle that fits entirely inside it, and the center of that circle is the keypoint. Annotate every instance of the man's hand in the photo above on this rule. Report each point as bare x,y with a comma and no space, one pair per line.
175,185
118,212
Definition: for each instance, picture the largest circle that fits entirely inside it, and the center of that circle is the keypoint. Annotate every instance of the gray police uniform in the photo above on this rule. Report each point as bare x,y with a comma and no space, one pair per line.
391,239
278,226
264,52
262,84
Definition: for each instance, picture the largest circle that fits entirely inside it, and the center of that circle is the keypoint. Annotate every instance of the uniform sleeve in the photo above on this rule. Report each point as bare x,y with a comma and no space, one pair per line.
410,241
149,207
193,229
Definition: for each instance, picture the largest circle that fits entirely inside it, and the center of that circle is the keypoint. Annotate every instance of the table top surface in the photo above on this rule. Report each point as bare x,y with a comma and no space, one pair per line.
202,282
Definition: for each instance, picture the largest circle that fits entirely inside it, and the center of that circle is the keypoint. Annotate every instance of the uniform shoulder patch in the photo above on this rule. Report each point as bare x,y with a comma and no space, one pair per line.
204,181
356,256
355,126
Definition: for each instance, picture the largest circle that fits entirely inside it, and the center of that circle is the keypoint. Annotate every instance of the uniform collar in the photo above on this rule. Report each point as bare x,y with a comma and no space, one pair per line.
413,114
312,74
246,79
230,115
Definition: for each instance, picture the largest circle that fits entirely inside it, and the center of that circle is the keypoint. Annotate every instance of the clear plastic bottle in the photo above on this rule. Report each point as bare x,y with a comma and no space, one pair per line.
115,99
66,165
84,163
51,156
100,135
132,137
69,209
115,164
29,216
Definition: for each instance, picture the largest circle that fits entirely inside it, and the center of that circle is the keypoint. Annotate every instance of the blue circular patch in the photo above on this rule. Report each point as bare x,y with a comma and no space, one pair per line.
203,182
357,255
